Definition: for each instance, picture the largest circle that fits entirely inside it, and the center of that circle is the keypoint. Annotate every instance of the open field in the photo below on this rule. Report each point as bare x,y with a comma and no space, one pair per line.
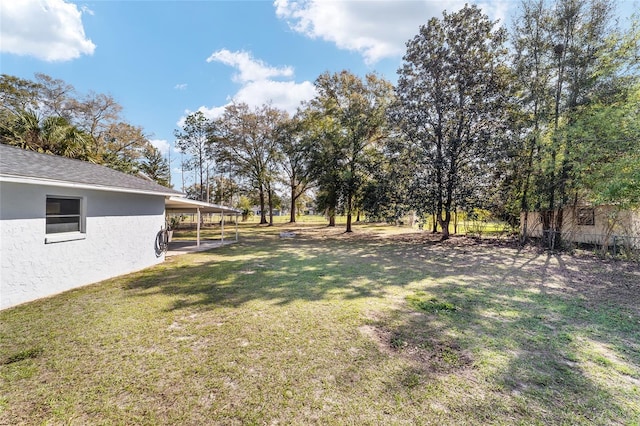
464,227
382,326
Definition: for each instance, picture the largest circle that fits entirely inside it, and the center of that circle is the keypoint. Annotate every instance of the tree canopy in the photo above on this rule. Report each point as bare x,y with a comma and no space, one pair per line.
451,102
540,117
48,116
350,115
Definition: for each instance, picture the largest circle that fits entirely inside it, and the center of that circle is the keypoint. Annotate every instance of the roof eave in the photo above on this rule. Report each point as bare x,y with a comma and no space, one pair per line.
188,204
77,185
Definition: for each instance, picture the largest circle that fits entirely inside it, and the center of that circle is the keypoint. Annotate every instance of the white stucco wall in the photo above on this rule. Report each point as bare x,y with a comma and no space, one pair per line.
120,238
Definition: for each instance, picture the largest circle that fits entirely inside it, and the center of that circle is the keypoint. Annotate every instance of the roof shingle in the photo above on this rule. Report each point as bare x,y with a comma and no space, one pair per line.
20,163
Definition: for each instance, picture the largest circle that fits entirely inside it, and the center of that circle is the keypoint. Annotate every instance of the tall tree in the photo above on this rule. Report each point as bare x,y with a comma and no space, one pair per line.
56,97
193,139
47,115
94,114
18,94
292,141
451,99
568,57
155,166
323,145
387,194
123,146
356,111
245,139
531,43
579,33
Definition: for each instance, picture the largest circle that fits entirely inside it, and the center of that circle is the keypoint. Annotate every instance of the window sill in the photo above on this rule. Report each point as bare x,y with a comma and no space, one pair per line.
64,236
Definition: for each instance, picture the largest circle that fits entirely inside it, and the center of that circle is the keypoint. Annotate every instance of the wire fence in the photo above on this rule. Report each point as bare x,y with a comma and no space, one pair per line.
619,246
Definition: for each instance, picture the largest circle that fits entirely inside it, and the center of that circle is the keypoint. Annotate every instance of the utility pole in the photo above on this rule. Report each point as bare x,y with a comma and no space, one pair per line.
208,186
182,168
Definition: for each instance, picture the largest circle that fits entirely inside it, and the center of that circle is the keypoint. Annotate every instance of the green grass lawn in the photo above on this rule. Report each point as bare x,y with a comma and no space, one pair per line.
382,326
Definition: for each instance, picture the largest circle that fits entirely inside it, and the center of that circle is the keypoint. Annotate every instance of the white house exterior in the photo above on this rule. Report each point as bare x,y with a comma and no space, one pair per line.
66,223
597,225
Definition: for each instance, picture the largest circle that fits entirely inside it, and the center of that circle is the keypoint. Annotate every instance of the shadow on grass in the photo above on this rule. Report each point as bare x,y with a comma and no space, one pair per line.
557,355
278,271
525,325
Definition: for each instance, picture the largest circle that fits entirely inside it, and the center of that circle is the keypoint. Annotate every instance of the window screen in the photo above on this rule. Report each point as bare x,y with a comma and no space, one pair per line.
586,217
63,215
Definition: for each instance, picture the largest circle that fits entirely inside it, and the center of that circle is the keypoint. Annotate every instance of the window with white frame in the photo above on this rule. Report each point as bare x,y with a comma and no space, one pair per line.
64,214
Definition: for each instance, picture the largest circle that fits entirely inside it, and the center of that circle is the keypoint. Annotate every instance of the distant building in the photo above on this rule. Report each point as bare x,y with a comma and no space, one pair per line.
256,211
597,225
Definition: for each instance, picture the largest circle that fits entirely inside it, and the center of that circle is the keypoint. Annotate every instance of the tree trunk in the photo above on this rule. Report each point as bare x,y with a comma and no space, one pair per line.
434,222
562,190
552,231
332,216
292,216
270,206
446,204
349,207
558,243
208,192
549,226
444,224
455,221
525,230
524,202
202,192
548,218
263,217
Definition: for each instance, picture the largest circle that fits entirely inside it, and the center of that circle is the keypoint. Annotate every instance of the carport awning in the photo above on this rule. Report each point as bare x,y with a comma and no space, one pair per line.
186,205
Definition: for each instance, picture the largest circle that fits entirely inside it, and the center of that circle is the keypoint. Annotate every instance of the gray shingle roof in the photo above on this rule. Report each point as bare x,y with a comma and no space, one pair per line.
19,163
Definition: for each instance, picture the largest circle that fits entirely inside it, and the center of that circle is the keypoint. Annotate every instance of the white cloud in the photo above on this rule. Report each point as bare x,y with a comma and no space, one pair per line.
497,9
376,29
180,86
212,113
285,95
85,9
257,85
161,145
250,69
50,30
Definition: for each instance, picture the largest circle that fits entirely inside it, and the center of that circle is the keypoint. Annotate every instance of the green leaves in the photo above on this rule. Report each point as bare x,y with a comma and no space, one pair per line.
348,118
451,105
48,116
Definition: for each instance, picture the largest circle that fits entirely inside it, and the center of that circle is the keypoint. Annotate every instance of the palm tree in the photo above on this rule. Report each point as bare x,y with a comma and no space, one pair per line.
51,135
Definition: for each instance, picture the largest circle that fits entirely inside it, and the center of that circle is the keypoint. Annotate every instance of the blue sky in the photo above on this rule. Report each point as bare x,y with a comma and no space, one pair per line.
161,60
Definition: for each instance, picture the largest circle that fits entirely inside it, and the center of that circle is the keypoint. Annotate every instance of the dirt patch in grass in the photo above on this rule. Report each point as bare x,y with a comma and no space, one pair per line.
429,355
603,281
24,354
